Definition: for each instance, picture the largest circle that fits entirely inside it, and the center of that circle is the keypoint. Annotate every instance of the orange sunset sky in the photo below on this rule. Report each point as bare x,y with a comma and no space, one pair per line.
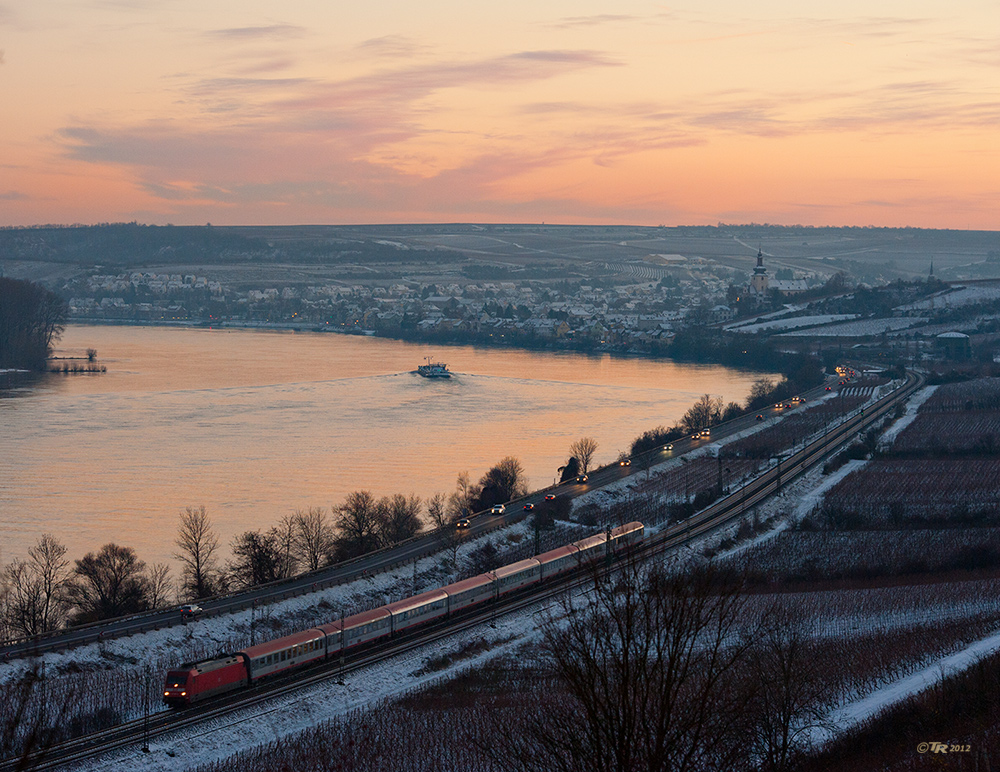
314,111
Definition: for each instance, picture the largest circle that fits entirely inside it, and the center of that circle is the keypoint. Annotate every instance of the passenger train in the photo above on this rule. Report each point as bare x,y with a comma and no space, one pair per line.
196,681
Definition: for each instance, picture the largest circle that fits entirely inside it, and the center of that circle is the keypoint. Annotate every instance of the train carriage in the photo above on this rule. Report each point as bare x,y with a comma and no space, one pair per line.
627,535
334,637
591,548
281,654
555,562
469,592
418,609
366,626
517,575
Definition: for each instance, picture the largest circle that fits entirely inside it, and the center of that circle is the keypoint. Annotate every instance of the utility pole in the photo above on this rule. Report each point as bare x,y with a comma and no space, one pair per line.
343,645
145,718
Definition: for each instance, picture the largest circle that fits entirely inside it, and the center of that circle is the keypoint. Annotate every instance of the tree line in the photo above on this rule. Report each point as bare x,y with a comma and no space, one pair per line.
47,590
709,410
31,318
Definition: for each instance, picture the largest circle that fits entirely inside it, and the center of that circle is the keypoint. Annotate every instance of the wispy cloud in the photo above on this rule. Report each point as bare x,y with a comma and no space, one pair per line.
270,32
593,21
267,63
390,47
13,195
407,84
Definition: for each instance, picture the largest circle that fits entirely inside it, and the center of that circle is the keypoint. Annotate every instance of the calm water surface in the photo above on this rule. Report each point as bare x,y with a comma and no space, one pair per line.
255,425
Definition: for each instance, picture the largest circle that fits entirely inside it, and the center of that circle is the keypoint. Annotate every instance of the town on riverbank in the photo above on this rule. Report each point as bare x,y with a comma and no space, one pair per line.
697,294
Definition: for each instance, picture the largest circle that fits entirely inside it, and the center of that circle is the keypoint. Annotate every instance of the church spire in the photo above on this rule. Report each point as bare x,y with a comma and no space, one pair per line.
759,280
760,269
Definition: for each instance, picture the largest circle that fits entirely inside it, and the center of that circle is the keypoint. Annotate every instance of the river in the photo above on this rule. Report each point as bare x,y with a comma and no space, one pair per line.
257,424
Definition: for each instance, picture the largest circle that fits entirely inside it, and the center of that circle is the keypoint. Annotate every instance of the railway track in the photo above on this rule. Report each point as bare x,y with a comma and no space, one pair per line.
720,514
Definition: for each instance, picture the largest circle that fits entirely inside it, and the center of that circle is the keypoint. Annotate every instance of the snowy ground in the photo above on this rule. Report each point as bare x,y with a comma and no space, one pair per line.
858,329
793,323
912,406
283,717
956,297
851,714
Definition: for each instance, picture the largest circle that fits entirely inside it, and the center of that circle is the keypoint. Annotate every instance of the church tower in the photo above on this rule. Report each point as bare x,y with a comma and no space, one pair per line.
759,280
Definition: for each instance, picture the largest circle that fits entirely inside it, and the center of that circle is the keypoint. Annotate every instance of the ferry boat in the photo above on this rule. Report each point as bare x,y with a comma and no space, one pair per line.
434,369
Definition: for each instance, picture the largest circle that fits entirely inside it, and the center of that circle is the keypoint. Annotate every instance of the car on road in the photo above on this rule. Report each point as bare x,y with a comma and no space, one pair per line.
582,478
829,389
760,416
550,497
463,523
498,509
528,507
625,462
190,610
669,446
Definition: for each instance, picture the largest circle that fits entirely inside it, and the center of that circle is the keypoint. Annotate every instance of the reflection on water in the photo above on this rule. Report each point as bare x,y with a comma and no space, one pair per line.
255,425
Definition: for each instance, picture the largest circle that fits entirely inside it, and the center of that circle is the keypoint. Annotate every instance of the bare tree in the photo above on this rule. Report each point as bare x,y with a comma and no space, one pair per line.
35,601
160,585
31,317
109,583
314,537
358,525
583,451
506,480
707,411
257,559
5,628
460,502
399,518
647,670
761,392
48,558
437,509
22,597
787,692
283,535
197,545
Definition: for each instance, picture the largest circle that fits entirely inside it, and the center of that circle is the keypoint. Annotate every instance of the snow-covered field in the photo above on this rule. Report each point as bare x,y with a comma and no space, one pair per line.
912,406
794,323
956,297
859,329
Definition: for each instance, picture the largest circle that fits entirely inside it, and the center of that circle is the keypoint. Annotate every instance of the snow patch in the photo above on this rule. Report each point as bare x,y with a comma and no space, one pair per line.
912,406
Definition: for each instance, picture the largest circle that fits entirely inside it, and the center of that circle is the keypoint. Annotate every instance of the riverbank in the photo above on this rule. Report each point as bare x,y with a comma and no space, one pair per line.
703,346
